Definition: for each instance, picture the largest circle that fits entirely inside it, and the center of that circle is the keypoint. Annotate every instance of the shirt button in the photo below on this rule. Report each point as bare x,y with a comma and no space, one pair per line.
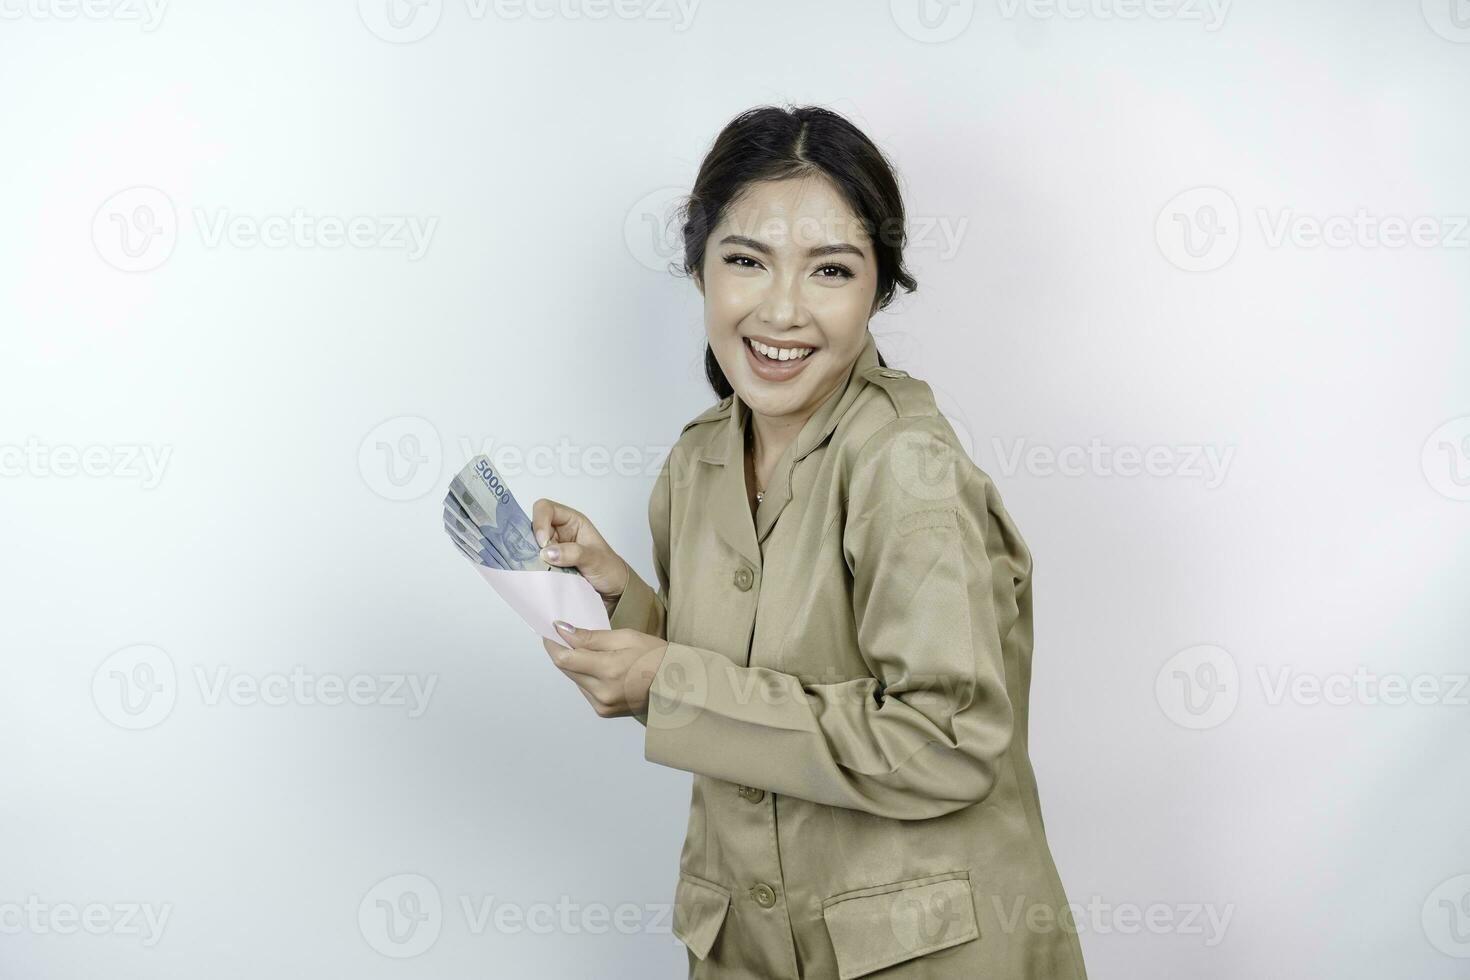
752,795
743,578
764,895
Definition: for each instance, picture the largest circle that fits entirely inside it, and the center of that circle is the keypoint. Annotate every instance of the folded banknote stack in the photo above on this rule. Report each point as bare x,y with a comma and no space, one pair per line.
490,529
486,524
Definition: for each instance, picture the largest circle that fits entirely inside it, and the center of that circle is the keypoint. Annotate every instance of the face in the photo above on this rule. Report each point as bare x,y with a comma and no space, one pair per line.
789,282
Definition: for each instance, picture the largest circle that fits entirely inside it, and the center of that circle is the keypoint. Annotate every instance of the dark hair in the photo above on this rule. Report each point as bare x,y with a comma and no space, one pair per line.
772,143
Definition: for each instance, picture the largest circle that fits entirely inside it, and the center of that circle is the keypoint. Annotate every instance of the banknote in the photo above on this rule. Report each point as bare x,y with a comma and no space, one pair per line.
467,533
470,542
486,523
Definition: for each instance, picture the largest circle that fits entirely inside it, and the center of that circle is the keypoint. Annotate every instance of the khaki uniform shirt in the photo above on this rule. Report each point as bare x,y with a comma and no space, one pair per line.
847,678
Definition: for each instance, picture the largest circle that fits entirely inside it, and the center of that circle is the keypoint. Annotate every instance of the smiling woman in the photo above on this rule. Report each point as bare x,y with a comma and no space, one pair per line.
839,646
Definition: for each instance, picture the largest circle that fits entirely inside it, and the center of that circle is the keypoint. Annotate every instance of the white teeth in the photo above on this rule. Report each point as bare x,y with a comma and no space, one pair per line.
781,353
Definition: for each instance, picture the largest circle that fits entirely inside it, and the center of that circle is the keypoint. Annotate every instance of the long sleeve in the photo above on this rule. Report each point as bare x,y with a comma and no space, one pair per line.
940,579
640,607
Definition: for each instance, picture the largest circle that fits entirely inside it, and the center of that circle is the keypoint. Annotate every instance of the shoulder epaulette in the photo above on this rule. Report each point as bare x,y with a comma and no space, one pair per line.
910,396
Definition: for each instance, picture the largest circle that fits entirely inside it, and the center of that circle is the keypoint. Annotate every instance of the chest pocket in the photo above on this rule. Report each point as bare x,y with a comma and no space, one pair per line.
872,928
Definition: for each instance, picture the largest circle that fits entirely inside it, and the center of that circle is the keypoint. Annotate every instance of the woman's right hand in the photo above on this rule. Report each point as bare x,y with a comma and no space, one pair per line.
568,539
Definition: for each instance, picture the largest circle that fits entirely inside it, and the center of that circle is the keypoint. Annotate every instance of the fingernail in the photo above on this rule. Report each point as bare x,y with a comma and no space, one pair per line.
541,536
553,553
564,627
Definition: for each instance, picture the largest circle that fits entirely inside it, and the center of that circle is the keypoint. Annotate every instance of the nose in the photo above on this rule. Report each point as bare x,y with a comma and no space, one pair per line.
782,306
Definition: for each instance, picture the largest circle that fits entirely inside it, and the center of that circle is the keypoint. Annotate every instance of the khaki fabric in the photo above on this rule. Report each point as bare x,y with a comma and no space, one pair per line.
847,679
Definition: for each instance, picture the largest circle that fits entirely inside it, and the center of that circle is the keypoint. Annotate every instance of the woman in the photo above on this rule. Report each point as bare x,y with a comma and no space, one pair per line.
840,644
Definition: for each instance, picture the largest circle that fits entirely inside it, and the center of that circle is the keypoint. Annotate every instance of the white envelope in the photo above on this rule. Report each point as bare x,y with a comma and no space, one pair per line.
540,597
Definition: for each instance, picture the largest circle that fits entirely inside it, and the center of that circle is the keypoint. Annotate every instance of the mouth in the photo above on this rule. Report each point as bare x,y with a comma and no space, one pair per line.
776,361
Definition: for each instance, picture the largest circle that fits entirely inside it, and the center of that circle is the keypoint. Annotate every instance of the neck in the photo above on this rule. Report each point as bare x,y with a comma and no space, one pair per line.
770,435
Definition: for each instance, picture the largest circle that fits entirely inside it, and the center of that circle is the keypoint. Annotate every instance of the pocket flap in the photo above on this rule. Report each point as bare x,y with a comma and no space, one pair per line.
699,911
876,927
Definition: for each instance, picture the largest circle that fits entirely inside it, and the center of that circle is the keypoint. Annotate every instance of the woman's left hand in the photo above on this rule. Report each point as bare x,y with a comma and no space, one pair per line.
612,668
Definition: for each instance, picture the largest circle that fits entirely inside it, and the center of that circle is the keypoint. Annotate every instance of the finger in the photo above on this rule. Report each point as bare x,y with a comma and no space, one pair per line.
562,658
584,666
585,639
569,554
548,516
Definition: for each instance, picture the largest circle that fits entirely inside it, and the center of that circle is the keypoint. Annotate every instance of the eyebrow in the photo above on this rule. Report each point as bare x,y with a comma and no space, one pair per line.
839,248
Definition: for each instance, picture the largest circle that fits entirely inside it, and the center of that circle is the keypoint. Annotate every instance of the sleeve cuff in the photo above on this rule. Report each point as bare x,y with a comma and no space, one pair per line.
637,608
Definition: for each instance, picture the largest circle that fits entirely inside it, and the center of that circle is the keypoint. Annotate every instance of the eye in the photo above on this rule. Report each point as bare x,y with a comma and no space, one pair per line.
843,272
737,260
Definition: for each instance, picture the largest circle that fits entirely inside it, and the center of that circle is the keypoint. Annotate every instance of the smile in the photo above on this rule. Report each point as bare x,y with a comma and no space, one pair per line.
779,353
776,362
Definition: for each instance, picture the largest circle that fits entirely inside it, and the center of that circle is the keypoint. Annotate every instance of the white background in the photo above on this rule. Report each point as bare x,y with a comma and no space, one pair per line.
1043,151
